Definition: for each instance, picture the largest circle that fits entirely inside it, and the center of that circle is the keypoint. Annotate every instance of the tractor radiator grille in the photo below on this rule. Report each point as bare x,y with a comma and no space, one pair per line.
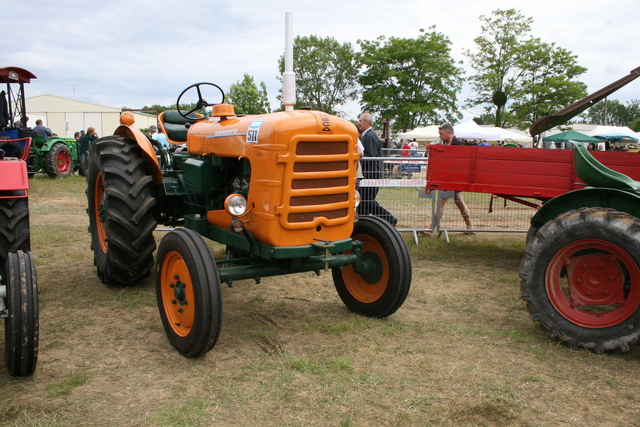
320,181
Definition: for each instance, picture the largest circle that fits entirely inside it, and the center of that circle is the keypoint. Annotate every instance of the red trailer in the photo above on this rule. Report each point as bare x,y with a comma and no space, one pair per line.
516,173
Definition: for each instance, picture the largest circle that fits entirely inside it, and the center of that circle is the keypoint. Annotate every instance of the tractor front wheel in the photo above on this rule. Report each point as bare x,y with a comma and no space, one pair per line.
377,286
58,161
188,291
581,279
21,324
120,211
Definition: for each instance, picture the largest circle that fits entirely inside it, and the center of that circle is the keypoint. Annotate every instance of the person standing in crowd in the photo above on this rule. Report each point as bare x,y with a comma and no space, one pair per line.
448,138
372,169
42,131
85,145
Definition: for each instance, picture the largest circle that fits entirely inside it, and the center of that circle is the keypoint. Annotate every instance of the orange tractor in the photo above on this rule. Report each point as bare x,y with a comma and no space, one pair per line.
279,190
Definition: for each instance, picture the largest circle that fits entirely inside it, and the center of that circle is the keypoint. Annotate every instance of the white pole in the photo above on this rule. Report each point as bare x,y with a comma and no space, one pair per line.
288,77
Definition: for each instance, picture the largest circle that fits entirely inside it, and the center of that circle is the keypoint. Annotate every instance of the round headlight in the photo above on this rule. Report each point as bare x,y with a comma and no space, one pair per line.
357,197
235,205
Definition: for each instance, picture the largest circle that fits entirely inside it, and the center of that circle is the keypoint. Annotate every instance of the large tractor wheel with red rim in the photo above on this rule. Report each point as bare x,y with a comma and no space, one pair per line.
58,161
120,203
21,325
379,284
581,279
189,293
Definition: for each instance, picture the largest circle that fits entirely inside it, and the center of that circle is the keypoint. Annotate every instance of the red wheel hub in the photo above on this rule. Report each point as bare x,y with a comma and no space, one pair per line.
593,283
63,161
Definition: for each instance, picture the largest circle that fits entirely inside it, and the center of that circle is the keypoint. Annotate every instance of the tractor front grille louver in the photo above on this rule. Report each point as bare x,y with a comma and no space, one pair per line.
319,173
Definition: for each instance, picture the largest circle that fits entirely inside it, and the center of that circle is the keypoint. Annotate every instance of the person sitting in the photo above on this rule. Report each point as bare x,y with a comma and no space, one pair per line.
42,131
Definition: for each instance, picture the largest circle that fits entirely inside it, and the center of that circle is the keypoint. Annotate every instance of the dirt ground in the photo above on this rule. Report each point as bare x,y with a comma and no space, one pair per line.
462,351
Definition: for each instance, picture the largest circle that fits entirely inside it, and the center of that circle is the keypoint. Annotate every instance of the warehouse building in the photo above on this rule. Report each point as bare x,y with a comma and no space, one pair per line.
66,116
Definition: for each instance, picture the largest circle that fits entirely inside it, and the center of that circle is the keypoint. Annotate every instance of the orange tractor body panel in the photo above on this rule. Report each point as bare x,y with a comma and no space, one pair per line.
303,167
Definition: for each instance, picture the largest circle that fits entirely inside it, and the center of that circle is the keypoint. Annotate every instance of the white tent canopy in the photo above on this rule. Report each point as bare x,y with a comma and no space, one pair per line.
603,130
468,130
422,133
471,130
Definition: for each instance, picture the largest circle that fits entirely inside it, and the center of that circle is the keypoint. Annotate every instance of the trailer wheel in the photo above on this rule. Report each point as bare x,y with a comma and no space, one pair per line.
21,324
383,279
581,279
189,292
120,211
58,162
14,228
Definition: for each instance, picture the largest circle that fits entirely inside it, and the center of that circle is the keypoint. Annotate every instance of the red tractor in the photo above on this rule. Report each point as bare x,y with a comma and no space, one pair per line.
18,288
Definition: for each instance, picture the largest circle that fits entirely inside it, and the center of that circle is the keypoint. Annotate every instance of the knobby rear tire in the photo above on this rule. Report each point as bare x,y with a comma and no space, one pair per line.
580,278
120,211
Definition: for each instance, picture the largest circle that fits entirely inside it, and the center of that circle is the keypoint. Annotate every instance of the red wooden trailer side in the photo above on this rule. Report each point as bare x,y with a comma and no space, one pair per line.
515,172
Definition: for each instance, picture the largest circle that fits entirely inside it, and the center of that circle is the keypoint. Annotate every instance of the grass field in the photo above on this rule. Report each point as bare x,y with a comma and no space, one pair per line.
462,351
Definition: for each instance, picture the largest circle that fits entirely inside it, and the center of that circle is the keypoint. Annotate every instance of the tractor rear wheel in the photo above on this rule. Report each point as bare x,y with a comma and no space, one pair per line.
21,325
58,161
382,285
188,291
14,228
120,211
581,279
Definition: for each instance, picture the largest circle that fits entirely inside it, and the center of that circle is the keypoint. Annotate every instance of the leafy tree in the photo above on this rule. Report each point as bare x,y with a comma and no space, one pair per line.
247,98
497,74
519,78
326,73
410,81
613,112
546,86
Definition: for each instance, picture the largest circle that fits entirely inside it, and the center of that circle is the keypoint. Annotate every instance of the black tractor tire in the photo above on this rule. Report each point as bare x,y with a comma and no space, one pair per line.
580,278
21,326
58,161
120,204
14,228
383,289
189,293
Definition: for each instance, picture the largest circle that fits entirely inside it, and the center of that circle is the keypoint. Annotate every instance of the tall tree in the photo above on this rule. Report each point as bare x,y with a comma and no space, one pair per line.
497,72
518,77
410,81
547,83
247,98
326,73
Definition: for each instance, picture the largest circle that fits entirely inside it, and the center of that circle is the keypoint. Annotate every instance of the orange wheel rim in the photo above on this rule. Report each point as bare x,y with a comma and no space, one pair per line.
367,291
100,212
177,293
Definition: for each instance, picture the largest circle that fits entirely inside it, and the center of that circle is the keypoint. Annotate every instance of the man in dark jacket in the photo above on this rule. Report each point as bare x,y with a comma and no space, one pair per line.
371,169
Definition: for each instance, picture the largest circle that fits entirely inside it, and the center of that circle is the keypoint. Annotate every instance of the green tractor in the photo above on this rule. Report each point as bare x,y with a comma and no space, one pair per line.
57,157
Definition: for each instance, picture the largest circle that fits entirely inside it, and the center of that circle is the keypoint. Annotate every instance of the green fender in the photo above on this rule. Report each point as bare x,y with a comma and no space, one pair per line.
69,142
619,200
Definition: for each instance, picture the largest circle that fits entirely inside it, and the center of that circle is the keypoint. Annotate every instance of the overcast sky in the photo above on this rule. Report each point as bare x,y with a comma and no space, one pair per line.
136,53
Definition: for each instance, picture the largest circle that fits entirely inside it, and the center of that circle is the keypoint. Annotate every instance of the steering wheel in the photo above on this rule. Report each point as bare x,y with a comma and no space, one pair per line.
202,104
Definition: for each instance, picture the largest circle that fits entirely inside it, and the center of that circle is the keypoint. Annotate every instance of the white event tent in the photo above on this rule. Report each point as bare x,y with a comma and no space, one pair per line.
467,130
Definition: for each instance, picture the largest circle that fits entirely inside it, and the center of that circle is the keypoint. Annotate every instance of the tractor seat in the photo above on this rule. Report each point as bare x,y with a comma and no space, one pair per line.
595,174
173,125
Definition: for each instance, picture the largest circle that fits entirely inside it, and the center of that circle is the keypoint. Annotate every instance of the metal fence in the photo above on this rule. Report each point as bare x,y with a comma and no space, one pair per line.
402,192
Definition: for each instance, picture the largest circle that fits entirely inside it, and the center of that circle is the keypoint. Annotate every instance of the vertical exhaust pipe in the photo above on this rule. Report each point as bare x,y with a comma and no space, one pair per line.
289,76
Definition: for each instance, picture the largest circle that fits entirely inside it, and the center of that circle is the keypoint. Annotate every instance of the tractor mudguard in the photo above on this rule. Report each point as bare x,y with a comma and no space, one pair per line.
619,200
127,131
